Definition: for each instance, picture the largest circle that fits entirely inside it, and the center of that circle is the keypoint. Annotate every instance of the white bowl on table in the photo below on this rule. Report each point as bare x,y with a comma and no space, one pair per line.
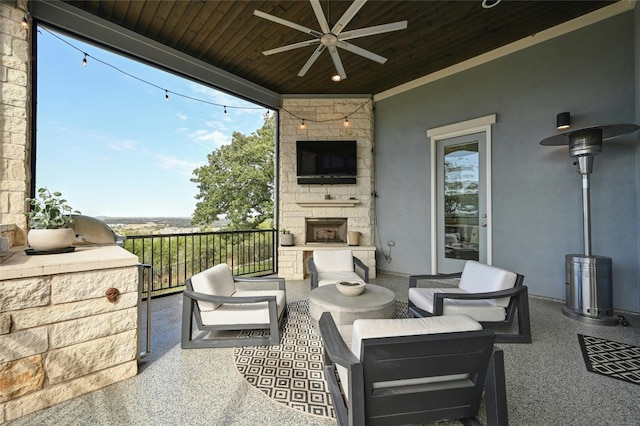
350,289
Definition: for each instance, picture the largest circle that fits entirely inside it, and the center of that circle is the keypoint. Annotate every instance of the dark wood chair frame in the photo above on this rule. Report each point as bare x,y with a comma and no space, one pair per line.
518,306
357,265
405,357
191,311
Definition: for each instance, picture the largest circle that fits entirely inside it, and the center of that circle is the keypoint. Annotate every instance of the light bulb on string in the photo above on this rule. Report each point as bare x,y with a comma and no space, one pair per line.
166,95
84,61
225,109
303,125
25,20
346,123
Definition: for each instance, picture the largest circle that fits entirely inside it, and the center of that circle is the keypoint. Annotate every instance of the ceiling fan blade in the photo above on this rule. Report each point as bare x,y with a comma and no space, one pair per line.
290,47
311,60
286,23
362,52
348,16
337,62
317,9
378,29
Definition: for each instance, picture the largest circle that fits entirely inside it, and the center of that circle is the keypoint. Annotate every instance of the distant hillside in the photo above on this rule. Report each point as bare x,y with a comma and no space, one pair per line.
182,222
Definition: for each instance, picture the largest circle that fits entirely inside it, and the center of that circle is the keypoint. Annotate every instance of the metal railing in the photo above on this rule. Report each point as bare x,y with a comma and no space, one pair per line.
176,257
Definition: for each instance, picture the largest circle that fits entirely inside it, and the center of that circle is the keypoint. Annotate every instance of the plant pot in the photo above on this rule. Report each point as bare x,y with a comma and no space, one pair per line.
286,239
50,239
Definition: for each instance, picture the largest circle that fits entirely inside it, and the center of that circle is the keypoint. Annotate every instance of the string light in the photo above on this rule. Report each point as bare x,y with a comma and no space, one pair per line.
84,63
346,123
25,19
345,118
303,125
166,95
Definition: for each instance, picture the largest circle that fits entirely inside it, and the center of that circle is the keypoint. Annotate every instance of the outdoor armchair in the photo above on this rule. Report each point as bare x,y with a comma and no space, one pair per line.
212,299
416,370
491,295
332,266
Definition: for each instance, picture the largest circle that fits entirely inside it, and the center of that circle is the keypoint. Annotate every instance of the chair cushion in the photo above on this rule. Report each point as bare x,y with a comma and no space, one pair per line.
217,281
480,278
373,328
333,260
479,310
245,313
325,278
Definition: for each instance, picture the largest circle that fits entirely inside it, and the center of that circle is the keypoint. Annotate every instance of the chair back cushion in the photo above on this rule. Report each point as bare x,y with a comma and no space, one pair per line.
480,278
372,328
217,281
333,260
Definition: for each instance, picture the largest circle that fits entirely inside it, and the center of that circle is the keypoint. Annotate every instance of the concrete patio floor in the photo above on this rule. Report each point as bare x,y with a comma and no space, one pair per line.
547,383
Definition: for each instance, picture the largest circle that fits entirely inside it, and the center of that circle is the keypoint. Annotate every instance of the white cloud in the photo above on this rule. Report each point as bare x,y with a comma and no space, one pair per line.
215,138
125,145
181,116
183,167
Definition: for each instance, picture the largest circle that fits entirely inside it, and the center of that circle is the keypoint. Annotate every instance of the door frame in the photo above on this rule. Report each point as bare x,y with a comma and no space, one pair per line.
462,128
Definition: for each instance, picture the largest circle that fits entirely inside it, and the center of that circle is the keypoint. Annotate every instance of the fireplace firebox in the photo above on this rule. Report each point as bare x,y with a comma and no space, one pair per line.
326,230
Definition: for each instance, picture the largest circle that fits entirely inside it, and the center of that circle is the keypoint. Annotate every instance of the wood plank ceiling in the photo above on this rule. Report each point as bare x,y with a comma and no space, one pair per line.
227,35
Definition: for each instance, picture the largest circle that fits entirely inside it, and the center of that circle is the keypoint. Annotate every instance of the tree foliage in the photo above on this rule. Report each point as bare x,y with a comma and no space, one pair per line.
238,181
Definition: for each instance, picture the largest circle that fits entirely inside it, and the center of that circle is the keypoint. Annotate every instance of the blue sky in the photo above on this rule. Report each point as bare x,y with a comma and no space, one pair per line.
112,144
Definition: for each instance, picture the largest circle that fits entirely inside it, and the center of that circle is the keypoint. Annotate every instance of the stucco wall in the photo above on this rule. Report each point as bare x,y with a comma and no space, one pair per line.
537,206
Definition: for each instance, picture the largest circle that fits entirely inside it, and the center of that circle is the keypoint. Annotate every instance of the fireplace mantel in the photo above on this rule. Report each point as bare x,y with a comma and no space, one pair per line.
328,203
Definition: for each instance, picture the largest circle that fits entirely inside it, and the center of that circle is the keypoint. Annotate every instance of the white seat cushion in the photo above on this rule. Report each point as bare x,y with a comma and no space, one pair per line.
480,278
325,278
217,281
245,313
333,260
479,310
373,328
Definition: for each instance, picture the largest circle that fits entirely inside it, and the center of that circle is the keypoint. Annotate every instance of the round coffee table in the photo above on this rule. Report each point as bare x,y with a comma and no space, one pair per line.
374,302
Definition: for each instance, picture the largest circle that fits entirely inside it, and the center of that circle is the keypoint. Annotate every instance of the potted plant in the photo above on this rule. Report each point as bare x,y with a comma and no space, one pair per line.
50,220
286,238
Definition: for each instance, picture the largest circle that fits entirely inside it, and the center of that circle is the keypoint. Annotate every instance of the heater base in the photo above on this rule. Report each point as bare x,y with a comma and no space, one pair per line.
589,289
609,320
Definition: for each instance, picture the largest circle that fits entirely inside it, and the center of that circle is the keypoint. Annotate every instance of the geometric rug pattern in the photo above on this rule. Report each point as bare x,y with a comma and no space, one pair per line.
612,359
291,373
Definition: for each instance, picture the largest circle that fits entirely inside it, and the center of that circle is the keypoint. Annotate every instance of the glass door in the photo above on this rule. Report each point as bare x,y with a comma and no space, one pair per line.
461,206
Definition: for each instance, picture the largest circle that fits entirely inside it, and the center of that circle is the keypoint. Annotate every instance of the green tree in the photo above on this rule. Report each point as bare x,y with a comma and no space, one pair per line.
238,181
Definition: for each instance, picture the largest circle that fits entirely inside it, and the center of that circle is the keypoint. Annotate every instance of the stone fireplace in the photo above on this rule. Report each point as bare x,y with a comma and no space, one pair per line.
325,230
321,216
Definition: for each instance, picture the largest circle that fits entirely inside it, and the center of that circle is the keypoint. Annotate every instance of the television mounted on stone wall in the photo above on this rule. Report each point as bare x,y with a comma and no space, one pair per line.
326,162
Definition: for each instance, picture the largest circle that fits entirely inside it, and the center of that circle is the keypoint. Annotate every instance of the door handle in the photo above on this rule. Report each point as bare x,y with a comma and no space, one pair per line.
484,225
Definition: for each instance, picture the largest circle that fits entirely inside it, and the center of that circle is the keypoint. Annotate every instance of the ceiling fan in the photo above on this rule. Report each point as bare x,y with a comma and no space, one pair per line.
332,38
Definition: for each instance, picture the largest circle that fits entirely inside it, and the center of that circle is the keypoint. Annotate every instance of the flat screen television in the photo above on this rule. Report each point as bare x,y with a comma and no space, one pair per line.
327,160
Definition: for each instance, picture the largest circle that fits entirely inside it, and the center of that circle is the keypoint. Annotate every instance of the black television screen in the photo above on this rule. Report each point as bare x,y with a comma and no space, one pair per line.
327,158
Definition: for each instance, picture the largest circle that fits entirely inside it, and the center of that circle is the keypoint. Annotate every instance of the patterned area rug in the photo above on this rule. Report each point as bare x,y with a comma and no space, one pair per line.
291,373
613,359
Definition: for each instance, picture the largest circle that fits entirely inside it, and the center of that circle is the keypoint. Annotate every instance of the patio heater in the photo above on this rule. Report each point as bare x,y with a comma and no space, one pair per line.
588,277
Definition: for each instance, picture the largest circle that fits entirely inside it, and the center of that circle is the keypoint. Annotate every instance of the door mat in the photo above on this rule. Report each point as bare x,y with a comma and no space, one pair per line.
612,359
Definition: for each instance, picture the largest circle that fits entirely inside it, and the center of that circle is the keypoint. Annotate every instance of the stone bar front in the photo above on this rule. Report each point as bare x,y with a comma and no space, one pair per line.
60,336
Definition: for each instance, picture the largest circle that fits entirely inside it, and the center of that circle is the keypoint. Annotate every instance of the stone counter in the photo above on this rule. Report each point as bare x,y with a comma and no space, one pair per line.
59,335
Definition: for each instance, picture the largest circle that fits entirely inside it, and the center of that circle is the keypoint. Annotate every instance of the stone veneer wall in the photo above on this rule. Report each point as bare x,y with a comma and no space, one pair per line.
59,335
15,116
324,119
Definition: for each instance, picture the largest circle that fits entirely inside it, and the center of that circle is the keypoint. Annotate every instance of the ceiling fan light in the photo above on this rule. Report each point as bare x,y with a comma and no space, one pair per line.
336,77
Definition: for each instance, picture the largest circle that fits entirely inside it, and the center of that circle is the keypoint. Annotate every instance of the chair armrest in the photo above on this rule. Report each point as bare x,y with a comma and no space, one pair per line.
336,349
438,298
279,280
365,269
313,272
413,279
228,299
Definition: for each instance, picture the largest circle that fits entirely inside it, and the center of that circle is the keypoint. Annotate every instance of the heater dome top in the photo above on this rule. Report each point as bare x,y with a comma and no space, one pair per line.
608,131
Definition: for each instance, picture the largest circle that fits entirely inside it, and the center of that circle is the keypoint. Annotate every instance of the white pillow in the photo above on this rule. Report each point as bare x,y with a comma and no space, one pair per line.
480,278
217,281
333,260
